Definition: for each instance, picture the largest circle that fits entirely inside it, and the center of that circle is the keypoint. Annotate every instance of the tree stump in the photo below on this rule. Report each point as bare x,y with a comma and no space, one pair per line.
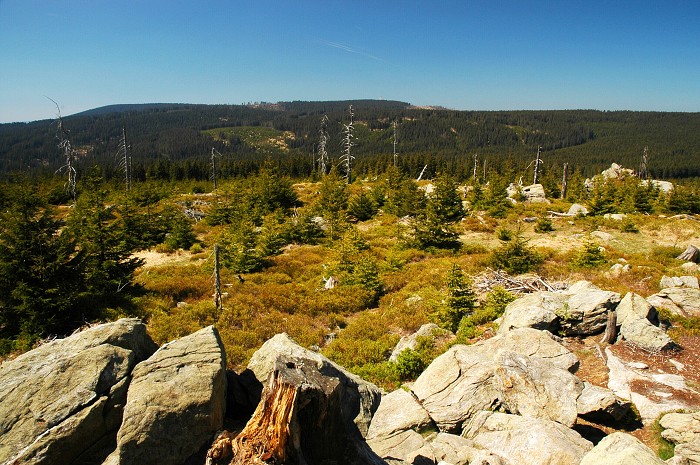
691,254
299,421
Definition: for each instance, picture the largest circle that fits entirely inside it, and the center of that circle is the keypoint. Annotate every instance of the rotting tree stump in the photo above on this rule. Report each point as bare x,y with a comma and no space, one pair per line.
691,254
299,421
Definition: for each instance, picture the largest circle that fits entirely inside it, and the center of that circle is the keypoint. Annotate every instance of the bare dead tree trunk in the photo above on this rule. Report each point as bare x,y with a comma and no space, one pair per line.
420,176
348,144
643,171
565,180
217,279
322,151
476,164
69,155
395,142
537,165
124,159
214,154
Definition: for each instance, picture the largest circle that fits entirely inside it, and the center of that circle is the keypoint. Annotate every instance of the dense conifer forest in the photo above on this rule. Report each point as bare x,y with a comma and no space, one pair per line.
174,141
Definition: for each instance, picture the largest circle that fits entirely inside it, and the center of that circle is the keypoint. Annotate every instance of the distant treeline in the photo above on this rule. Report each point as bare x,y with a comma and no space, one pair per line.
174,141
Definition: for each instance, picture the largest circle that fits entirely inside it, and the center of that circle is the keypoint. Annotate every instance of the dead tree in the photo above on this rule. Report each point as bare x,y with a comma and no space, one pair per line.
395,142
537,165
322,142
214,153
564,180
643,171
68,153
476,164
348,143
124,159
218,302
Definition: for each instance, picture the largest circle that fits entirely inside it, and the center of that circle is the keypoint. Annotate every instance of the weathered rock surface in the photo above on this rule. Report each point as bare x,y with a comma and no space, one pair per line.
626,381
577,209
534,441
456,450
682,301
679,281
360,399
429,331
601,405
505,371
63,398
399,411
683,429
585,311
580,310
536,310
635,316
680,427
621,449
531,387
176,402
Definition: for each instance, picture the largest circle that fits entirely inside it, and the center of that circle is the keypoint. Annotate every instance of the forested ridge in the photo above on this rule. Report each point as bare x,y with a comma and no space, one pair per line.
174,141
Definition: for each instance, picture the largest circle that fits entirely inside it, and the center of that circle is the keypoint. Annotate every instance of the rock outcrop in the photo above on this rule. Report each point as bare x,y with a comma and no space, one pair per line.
580,310
175,404
499,373
621,449
635,316
683,429
534,441
62,401
679,281
683,301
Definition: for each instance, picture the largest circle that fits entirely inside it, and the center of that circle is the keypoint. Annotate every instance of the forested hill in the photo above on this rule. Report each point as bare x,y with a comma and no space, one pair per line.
175,140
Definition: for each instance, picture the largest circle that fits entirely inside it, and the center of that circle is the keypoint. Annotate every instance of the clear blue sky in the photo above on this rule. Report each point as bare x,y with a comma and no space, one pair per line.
481,55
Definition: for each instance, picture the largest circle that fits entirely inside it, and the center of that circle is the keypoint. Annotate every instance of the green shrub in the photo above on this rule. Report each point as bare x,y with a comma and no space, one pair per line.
544,225
516,257
409,365
627,225
504,234
589,256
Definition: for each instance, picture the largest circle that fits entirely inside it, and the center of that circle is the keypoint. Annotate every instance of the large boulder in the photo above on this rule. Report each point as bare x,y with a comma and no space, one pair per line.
456,450
683,429
500,372
621,449
535,441
176,402
63,400
634,317
683,301
580,310
599,404
536,310
397,412
679,281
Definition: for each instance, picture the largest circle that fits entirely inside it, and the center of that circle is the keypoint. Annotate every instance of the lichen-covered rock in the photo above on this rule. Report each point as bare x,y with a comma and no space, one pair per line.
536,310
399,411
681,428
524,440
176,402
637,320
621,449
580,310
505,371
684,301
63,398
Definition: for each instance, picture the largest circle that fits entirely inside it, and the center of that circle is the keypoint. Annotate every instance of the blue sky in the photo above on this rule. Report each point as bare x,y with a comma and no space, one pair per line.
467,55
